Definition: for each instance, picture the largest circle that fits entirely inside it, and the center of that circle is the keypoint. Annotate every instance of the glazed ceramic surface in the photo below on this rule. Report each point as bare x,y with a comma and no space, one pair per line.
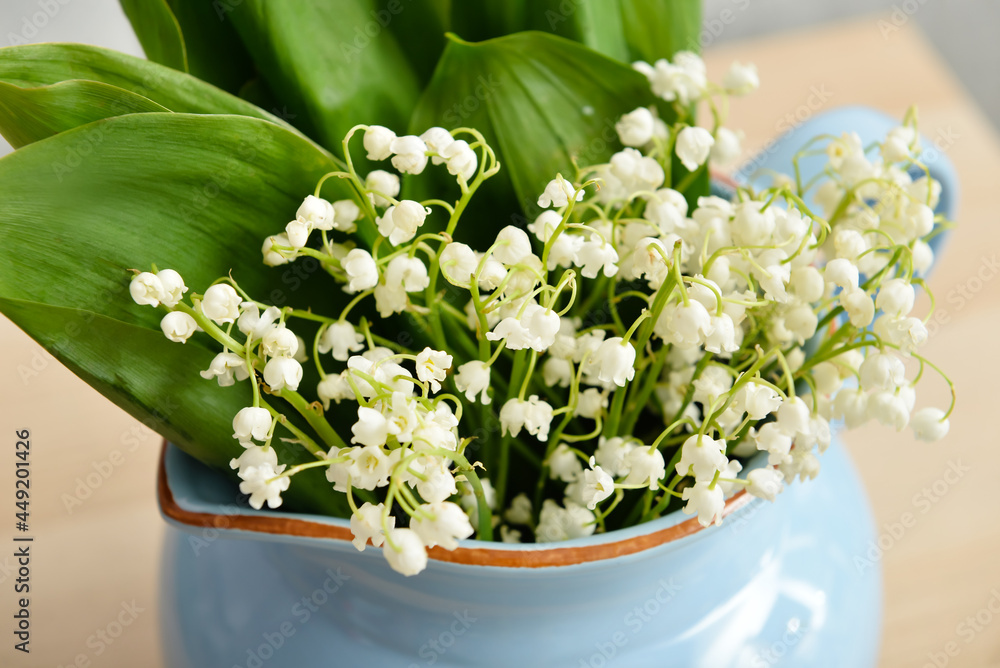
782,584
776,584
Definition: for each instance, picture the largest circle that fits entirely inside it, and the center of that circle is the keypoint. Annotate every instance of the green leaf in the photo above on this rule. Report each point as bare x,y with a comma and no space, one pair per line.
332,64
158,32
597,24
657,29
157,382
479,20
30,114
541,101
35,65
626,30
194,193
192,36
419,26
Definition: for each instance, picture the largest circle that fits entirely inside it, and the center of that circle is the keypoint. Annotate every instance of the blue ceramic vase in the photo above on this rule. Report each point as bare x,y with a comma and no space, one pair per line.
788,583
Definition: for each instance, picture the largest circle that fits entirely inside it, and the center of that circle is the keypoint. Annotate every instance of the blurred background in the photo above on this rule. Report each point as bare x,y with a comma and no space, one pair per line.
963,32
99,556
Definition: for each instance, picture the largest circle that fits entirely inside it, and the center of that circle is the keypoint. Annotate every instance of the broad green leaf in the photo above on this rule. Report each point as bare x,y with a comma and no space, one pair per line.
192,36
157,382
194,193
657,29
214,51
30,114
34,65
158,32
541,101
626,30
595,23
419,26
332,64
479,20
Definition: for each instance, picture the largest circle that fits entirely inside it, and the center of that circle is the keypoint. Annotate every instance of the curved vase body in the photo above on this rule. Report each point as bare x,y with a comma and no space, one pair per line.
782,584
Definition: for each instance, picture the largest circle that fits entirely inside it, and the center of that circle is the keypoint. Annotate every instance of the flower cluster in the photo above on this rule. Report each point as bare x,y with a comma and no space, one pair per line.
623,354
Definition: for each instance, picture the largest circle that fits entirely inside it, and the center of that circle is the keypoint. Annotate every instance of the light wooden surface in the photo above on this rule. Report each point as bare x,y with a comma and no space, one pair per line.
90,559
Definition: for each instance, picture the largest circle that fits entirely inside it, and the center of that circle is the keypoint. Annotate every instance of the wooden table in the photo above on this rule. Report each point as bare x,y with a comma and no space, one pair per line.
98,534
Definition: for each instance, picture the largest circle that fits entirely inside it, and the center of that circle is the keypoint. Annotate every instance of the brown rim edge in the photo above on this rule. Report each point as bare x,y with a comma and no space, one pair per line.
472,556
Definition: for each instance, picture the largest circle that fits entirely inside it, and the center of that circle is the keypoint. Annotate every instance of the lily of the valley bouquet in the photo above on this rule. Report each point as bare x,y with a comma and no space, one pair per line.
574,354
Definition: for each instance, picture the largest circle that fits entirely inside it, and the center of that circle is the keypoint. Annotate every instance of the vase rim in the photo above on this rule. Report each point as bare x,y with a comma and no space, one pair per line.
599,547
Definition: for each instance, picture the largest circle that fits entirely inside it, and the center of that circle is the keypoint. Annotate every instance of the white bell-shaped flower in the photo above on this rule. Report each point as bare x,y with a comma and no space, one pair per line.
409,154
381,184
371,428
361,270
173,287
432,367
859,306
366,525
842,272
765,483
890,408
334,387
693,146
896,297
279,340
564,464
461,159
615,360
557,371
407,273
851,405
882,371
400,222
612,454
772,439
591,403
512,246
316,213
558,193
596,256
274,257
705,501
345,213
178,326
473,378
405,552
221,304
636,127
929,424
458,263
146,289
597,485
443,524
251,424
437,139
703,456
283,372
227,368
727,148
646,467
378,142
741,78
341,339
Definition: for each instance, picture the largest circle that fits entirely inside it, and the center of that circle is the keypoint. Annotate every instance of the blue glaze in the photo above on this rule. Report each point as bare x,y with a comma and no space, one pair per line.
782,584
